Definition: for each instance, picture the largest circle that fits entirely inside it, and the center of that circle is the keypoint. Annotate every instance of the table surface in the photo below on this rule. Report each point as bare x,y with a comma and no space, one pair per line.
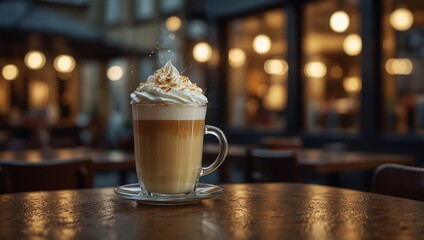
243,211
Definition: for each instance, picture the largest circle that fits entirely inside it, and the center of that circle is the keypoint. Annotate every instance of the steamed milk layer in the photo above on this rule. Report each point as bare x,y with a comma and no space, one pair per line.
168,132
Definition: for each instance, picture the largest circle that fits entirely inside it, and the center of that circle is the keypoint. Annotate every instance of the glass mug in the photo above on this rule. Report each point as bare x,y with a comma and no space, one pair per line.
168,142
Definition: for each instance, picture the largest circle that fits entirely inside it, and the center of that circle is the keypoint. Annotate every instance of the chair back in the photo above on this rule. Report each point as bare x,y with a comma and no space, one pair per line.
269,165
47,175
281,143
399,181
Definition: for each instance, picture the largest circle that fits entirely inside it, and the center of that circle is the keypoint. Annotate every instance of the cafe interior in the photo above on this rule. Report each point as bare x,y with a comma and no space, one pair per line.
337,77
336,82
316,107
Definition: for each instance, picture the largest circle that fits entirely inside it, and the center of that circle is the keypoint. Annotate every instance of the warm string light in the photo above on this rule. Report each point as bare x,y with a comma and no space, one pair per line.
352,84
401,19
115,73
64,63
202,52
276,66
399,66
10,72
315,69
261,44
35,60
236,57
275,100
339,21
173,23
352,45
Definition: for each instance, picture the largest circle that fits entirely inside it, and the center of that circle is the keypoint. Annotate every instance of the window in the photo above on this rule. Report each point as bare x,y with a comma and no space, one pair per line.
402,66
257,71
169,6
113,12
330,66
144,9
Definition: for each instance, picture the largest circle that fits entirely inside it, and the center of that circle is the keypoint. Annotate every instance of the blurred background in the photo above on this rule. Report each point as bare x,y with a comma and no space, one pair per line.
344,72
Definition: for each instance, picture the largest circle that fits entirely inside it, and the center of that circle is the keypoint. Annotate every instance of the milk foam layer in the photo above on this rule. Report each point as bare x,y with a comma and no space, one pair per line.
166,85
163,112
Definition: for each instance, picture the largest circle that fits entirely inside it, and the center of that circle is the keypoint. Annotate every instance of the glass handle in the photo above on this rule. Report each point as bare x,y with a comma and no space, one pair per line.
223,149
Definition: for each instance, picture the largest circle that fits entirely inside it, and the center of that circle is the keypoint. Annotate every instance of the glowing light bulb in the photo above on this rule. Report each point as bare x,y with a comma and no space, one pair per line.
115,73
261,44
315,69
35,59
401,19
339,21
399,66
276,66
10,72
202,52
64,63
173,23
352,45
352,84
236,57
275,100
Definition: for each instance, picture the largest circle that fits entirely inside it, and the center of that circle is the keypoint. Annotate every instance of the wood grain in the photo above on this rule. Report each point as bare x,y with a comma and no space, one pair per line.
243,211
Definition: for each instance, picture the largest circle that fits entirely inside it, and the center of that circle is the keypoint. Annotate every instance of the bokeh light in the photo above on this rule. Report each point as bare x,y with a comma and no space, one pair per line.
339,21
399,66
315,69
236,57
261,44
64,63
173,23
10,72
35,59
276,66
202,52
352,45
401,19
352,84
115,73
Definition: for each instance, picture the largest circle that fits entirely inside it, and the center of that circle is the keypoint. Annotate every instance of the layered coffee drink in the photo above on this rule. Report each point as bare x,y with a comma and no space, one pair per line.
168,147
169,124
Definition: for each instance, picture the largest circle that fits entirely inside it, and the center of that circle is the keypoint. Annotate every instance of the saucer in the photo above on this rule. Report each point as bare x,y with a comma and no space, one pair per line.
134,192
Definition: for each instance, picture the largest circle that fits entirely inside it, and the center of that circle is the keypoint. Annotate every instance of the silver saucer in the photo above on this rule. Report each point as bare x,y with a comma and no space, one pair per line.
134,192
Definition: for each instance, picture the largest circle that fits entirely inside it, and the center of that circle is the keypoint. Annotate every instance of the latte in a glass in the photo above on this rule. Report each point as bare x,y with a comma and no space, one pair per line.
169,124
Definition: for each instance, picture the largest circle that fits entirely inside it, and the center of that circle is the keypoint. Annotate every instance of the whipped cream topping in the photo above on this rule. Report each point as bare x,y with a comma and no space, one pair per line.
168,86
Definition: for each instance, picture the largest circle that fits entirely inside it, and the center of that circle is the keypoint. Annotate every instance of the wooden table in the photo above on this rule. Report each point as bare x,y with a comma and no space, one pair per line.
316,160
243,211
102,159
321,161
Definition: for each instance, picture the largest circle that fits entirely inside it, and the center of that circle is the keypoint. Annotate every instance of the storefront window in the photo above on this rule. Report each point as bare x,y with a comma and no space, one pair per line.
331,51
257,71
402,66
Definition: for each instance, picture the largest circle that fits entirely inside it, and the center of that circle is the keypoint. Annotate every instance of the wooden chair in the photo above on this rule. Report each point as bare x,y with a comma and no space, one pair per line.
269,165
281,143
399,181
18,176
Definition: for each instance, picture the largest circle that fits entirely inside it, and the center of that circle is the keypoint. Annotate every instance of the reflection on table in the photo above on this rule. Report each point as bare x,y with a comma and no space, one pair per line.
243,211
